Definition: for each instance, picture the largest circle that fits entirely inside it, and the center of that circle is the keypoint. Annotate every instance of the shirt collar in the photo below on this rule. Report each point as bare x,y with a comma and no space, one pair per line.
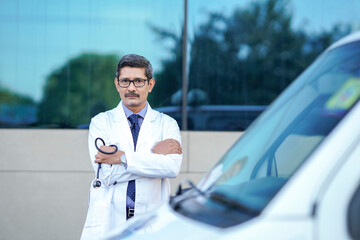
128,112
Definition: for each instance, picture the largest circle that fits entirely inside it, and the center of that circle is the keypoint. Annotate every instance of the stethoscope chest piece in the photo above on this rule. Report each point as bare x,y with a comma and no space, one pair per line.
96,183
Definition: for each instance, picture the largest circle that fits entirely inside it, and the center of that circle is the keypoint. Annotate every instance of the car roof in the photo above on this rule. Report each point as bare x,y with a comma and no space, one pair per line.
348,39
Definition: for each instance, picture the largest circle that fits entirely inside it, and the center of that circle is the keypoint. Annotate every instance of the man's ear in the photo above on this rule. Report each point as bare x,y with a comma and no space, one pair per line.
151,84
116,84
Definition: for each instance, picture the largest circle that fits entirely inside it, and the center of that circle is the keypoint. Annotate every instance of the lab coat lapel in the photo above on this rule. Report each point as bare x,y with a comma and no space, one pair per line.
147,127
123,127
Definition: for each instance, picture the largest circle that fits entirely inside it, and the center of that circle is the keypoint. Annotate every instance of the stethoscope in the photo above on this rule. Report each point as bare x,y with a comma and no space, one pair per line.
97,182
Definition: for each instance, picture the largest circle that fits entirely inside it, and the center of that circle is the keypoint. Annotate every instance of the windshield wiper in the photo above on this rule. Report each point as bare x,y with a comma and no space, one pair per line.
180,189
184,194
232,204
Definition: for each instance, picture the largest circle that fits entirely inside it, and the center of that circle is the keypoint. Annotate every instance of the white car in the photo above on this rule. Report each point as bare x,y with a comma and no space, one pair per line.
294,174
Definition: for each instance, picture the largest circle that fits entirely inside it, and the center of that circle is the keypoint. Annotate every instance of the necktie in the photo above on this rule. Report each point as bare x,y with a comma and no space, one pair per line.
135,129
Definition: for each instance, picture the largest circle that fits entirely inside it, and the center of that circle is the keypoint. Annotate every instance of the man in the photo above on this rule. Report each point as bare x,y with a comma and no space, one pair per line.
134,179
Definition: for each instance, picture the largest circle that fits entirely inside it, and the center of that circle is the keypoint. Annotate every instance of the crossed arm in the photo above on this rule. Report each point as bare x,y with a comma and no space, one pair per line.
165,147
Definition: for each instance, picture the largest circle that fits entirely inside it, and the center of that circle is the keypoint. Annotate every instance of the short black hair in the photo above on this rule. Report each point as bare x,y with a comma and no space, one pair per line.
134,60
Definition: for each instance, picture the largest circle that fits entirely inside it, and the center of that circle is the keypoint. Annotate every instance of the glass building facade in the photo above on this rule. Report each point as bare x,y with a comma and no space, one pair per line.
58,58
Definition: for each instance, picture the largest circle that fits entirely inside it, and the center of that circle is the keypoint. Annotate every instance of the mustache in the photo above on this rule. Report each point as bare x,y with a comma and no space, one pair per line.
132,94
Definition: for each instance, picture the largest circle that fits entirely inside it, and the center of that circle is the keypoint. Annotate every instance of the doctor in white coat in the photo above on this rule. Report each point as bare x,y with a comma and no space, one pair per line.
156,156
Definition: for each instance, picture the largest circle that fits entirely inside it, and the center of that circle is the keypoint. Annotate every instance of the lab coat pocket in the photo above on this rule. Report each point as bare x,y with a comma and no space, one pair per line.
99,209
100,217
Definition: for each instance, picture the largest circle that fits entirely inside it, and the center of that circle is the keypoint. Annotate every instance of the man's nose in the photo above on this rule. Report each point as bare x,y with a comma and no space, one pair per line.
132,87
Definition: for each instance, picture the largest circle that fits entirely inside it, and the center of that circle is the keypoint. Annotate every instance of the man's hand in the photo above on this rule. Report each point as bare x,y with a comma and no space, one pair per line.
108,158
167,146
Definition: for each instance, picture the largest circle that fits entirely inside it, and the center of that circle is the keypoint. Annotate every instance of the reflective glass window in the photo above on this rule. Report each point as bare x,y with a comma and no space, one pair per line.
58,58
244,53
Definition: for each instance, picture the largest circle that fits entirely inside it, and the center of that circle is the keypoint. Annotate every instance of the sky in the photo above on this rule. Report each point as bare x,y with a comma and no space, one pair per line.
39,36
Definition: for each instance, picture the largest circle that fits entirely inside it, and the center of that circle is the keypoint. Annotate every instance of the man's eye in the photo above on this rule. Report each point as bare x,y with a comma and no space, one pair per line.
139,80
125,81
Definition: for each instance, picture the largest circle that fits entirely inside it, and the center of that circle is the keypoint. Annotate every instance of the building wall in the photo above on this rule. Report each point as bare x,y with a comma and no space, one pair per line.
45,177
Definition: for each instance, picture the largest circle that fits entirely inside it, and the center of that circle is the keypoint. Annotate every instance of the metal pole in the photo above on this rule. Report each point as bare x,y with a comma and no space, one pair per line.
184,71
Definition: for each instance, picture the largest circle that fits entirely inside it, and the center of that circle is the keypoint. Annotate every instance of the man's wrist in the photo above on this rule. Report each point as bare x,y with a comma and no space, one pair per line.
123,160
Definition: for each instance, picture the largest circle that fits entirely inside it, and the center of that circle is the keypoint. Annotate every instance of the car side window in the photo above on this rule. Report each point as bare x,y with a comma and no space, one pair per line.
354,216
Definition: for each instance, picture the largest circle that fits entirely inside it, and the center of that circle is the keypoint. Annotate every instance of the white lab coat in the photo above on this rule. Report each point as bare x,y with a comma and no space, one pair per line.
151,171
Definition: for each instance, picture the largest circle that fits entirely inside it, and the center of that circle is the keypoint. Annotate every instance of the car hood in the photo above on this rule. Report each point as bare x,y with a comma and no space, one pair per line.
165,223
162,223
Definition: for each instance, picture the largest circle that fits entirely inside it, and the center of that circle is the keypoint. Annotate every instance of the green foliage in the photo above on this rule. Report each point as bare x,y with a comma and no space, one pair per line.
170,78
78,90
9,98
16,109
249,57
246,58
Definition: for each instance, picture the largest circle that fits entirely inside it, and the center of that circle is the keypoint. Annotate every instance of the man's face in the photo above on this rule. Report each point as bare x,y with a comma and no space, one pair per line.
133,97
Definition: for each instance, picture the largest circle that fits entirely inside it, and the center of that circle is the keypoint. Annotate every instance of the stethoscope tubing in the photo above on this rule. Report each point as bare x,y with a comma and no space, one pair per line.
97,182
103,142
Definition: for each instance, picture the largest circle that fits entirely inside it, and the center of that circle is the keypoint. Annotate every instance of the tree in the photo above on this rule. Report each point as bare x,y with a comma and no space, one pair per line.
78,90
16,109
251,56
10,98
169,80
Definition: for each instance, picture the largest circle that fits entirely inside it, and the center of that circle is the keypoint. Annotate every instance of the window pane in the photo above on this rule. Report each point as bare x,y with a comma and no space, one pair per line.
244,53
58,59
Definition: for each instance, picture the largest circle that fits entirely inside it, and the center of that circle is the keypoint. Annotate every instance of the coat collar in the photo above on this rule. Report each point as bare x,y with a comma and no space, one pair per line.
145,130
119,114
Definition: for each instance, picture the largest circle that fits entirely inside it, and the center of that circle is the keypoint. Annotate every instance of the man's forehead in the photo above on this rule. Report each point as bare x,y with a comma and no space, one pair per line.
132,72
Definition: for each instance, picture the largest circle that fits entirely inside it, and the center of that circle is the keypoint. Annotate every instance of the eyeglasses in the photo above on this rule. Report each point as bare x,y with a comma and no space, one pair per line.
138,82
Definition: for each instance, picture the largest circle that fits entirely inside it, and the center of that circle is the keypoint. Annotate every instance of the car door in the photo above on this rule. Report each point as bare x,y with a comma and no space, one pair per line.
339,197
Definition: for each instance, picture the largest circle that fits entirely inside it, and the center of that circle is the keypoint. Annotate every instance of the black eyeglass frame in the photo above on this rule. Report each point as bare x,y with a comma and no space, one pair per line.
133,82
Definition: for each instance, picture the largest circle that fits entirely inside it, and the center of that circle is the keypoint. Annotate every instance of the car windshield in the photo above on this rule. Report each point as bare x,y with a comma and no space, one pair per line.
283,137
